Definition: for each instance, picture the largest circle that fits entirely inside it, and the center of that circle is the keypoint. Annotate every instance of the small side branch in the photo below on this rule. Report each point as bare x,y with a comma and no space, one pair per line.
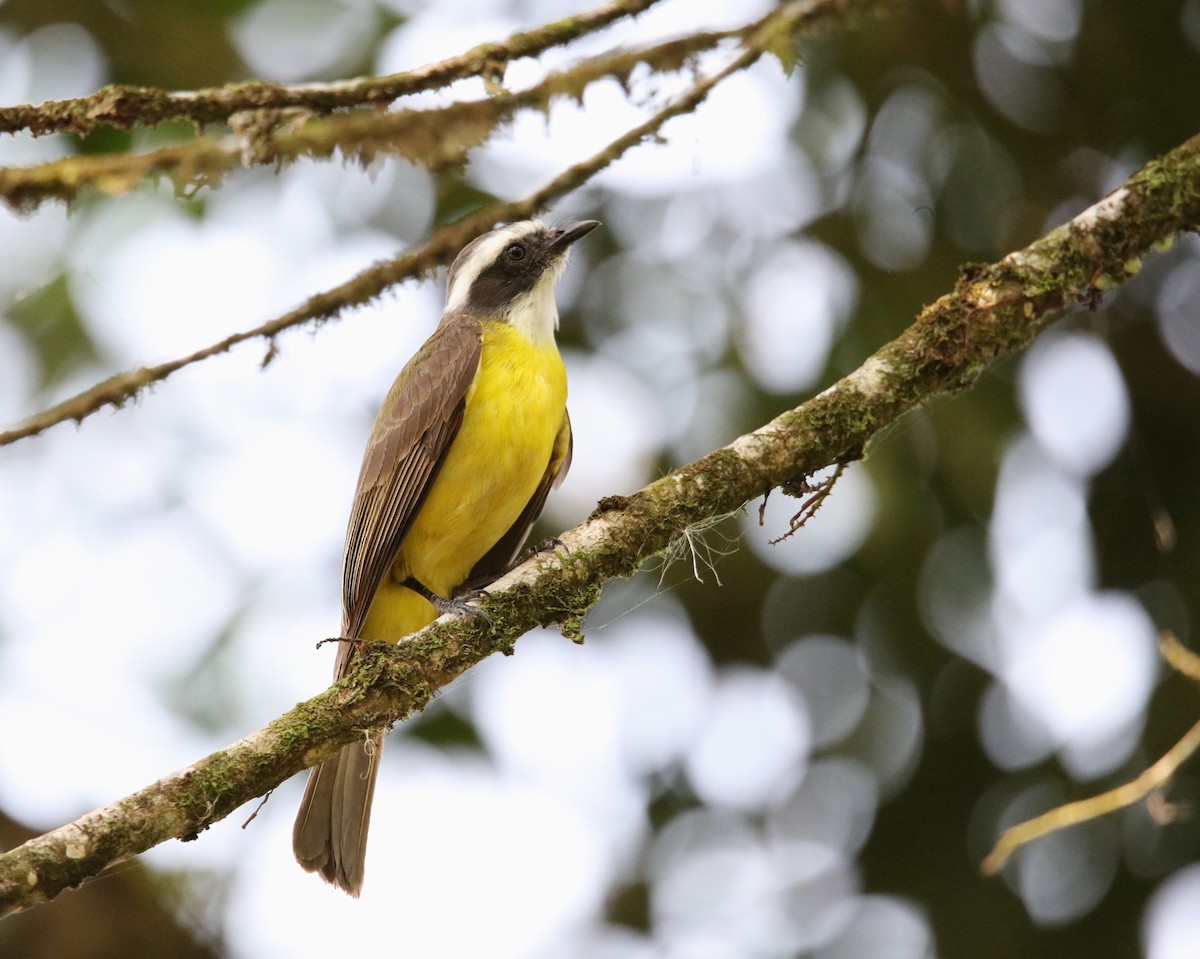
438,139
1129,794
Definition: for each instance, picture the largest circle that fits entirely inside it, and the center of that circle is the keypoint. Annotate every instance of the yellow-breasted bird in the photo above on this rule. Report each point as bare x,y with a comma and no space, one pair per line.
470,439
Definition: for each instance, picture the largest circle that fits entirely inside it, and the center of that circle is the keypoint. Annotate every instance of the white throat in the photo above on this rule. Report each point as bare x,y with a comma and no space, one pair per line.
535,315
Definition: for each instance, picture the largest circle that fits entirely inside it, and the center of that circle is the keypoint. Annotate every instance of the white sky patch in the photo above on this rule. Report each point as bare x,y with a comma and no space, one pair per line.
720,889
437,31
250,496
1064,875
525,860
1075,400
1053,21
719,902
657,659
102,647
32,246
1039,539
834,807
883,926
829,673
891,734
1077,665
893,215
290,40
741,128
18,380
1171,925
153,294
552,718
755,745
55,62
797,301
1087,671
1175,313
954,594
1016,72
1011,736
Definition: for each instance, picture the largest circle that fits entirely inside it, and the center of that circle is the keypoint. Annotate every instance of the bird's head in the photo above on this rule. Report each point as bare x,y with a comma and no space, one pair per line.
509,274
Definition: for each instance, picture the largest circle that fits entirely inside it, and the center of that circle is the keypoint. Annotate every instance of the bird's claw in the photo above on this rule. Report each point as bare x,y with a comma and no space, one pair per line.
460,605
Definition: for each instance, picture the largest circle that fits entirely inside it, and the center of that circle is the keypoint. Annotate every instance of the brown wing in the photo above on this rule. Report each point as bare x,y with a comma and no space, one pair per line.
500,556
419,419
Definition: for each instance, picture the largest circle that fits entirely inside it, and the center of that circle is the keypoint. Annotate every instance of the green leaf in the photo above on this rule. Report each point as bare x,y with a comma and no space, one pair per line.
49,322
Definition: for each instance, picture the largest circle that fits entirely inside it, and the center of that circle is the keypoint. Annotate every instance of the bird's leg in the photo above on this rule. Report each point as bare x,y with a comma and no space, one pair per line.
458,605
474,586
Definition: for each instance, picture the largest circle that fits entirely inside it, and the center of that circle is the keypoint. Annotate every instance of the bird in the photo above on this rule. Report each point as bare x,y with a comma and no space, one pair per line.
469,441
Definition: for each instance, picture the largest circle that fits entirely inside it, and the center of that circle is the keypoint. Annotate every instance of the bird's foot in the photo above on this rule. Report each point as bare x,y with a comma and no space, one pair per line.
548,545
459,605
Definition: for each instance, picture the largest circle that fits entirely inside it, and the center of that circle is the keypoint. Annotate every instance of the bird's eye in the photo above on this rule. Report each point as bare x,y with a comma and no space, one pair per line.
514,252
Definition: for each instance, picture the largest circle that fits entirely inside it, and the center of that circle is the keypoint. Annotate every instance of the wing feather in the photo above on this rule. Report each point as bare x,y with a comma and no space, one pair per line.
415,427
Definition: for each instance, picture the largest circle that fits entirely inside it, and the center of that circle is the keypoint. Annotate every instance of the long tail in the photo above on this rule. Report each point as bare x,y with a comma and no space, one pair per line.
330,835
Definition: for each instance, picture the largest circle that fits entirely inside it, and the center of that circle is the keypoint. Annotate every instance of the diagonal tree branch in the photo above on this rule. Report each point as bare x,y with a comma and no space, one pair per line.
437,138
992,311
438,250
125,107
1153,777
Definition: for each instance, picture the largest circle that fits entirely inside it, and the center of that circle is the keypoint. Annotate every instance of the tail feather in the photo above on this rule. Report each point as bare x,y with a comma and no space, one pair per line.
330,835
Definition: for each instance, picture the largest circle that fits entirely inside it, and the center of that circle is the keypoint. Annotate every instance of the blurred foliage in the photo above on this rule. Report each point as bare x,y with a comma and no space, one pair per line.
127,912
181,44
48,319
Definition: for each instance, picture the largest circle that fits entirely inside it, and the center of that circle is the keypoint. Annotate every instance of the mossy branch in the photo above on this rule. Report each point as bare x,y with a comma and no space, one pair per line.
438,139
274,124
1139,789
439,249
992,311
125,107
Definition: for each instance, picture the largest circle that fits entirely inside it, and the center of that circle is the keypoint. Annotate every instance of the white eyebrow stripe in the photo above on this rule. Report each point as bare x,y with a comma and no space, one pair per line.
483,256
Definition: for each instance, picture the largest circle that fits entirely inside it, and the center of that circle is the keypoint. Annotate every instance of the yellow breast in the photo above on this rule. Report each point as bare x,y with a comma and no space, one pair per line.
513,413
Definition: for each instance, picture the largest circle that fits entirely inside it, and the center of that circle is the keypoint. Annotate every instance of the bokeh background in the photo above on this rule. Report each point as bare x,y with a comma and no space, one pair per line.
800,749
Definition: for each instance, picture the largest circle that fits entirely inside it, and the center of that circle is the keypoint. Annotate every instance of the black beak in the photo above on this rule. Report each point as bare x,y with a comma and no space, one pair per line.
568,233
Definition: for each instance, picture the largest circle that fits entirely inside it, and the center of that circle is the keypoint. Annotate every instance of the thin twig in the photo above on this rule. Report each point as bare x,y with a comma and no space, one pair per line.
1182,659
437,138
820,492
1083,810
118,390
1074,813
